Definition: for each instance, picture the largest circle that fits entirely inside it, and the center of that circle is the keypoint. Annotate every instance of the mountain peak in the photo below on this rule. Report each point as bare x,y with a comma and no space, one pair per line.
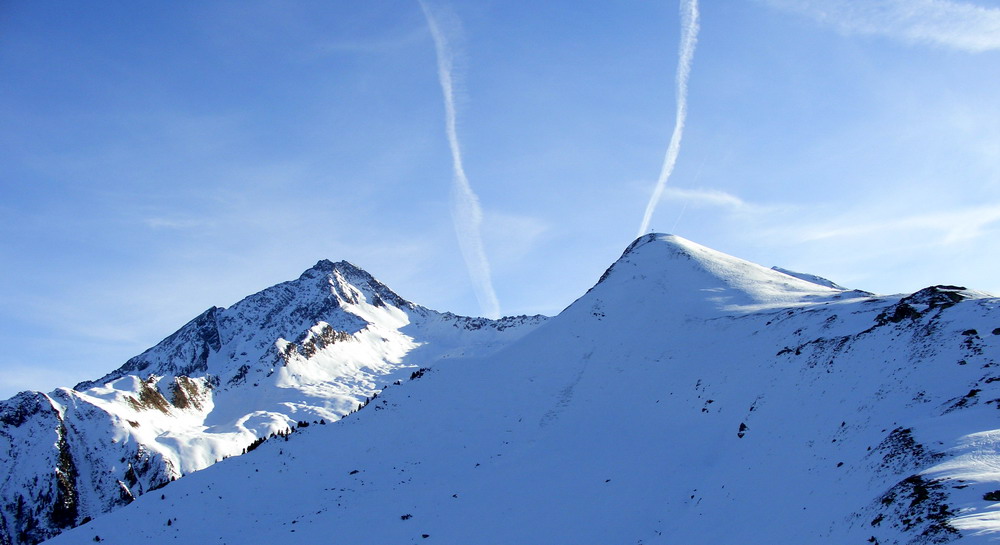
672,243
325,266
643,240
348,281
669,245
699,280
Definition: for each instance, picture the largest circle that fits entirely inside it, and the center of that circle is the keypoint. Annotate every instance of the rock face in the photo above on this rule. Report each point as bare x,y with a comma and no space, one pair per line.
303,351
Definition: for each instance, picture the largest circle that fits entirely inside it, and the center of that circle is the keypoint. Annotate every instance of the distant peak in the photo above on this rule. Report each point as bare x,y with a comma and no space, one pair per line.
325,266
344,276
322,267
348,267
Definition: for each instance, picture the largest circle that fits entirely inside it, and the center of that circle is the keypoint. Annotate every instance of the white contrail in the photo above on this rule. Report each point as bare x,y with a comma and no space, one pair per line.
689,38
465,211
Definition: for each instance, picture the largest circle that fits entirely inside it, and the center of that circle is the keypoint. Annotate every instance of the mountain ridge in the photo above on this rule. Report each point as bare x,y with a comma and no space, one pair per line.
672,403
688,396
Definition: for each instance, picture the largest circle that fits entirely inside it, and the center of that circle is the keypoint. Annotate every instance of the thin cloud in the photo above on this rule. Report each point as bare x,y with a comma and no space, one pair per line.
512,237
948,23
707,197
466,212
689,38
945,227
173,223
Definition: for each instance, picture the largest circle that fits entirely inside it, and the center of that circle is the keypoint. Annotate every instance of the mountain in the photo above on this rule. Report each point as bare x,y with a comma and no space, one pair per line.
688,397
311,350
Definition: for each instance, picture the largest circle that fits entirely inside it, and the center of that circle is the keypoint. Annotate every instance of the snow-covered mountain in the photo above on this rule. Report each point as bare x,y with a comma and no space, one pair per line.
306,351
688,397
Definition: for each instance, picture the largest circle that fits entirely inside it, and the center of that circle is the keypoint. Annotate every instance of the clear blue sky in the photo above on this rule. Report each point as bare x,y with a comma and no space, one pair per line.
159,158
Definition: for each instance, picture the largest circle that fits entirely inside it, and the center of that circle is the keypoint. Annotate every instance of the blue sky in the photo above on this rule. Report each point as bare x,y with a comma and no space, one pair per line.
161,158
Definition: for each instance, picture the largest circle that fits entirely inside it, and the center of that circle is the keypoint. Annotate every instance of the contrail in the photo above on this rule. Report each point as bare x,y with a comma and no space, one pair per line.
689,38
465,211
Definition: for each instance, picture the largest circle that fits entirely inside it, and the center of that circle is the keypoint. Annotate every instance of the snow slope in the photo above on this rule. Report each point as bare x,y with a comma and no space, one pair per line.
810,278
689,397
309,350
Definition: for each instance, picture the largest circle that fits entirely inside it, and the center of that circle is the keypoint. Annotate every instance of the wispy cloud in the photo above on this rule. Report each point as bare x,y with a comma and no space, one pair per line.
949,23
512,237
706,197
941,227
689,38
173,223
466,212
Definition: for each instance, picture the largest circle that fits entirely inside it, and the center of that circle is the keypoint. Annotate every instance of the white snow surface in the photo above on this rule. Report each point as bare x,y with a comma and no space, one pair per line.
810,278
689,397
